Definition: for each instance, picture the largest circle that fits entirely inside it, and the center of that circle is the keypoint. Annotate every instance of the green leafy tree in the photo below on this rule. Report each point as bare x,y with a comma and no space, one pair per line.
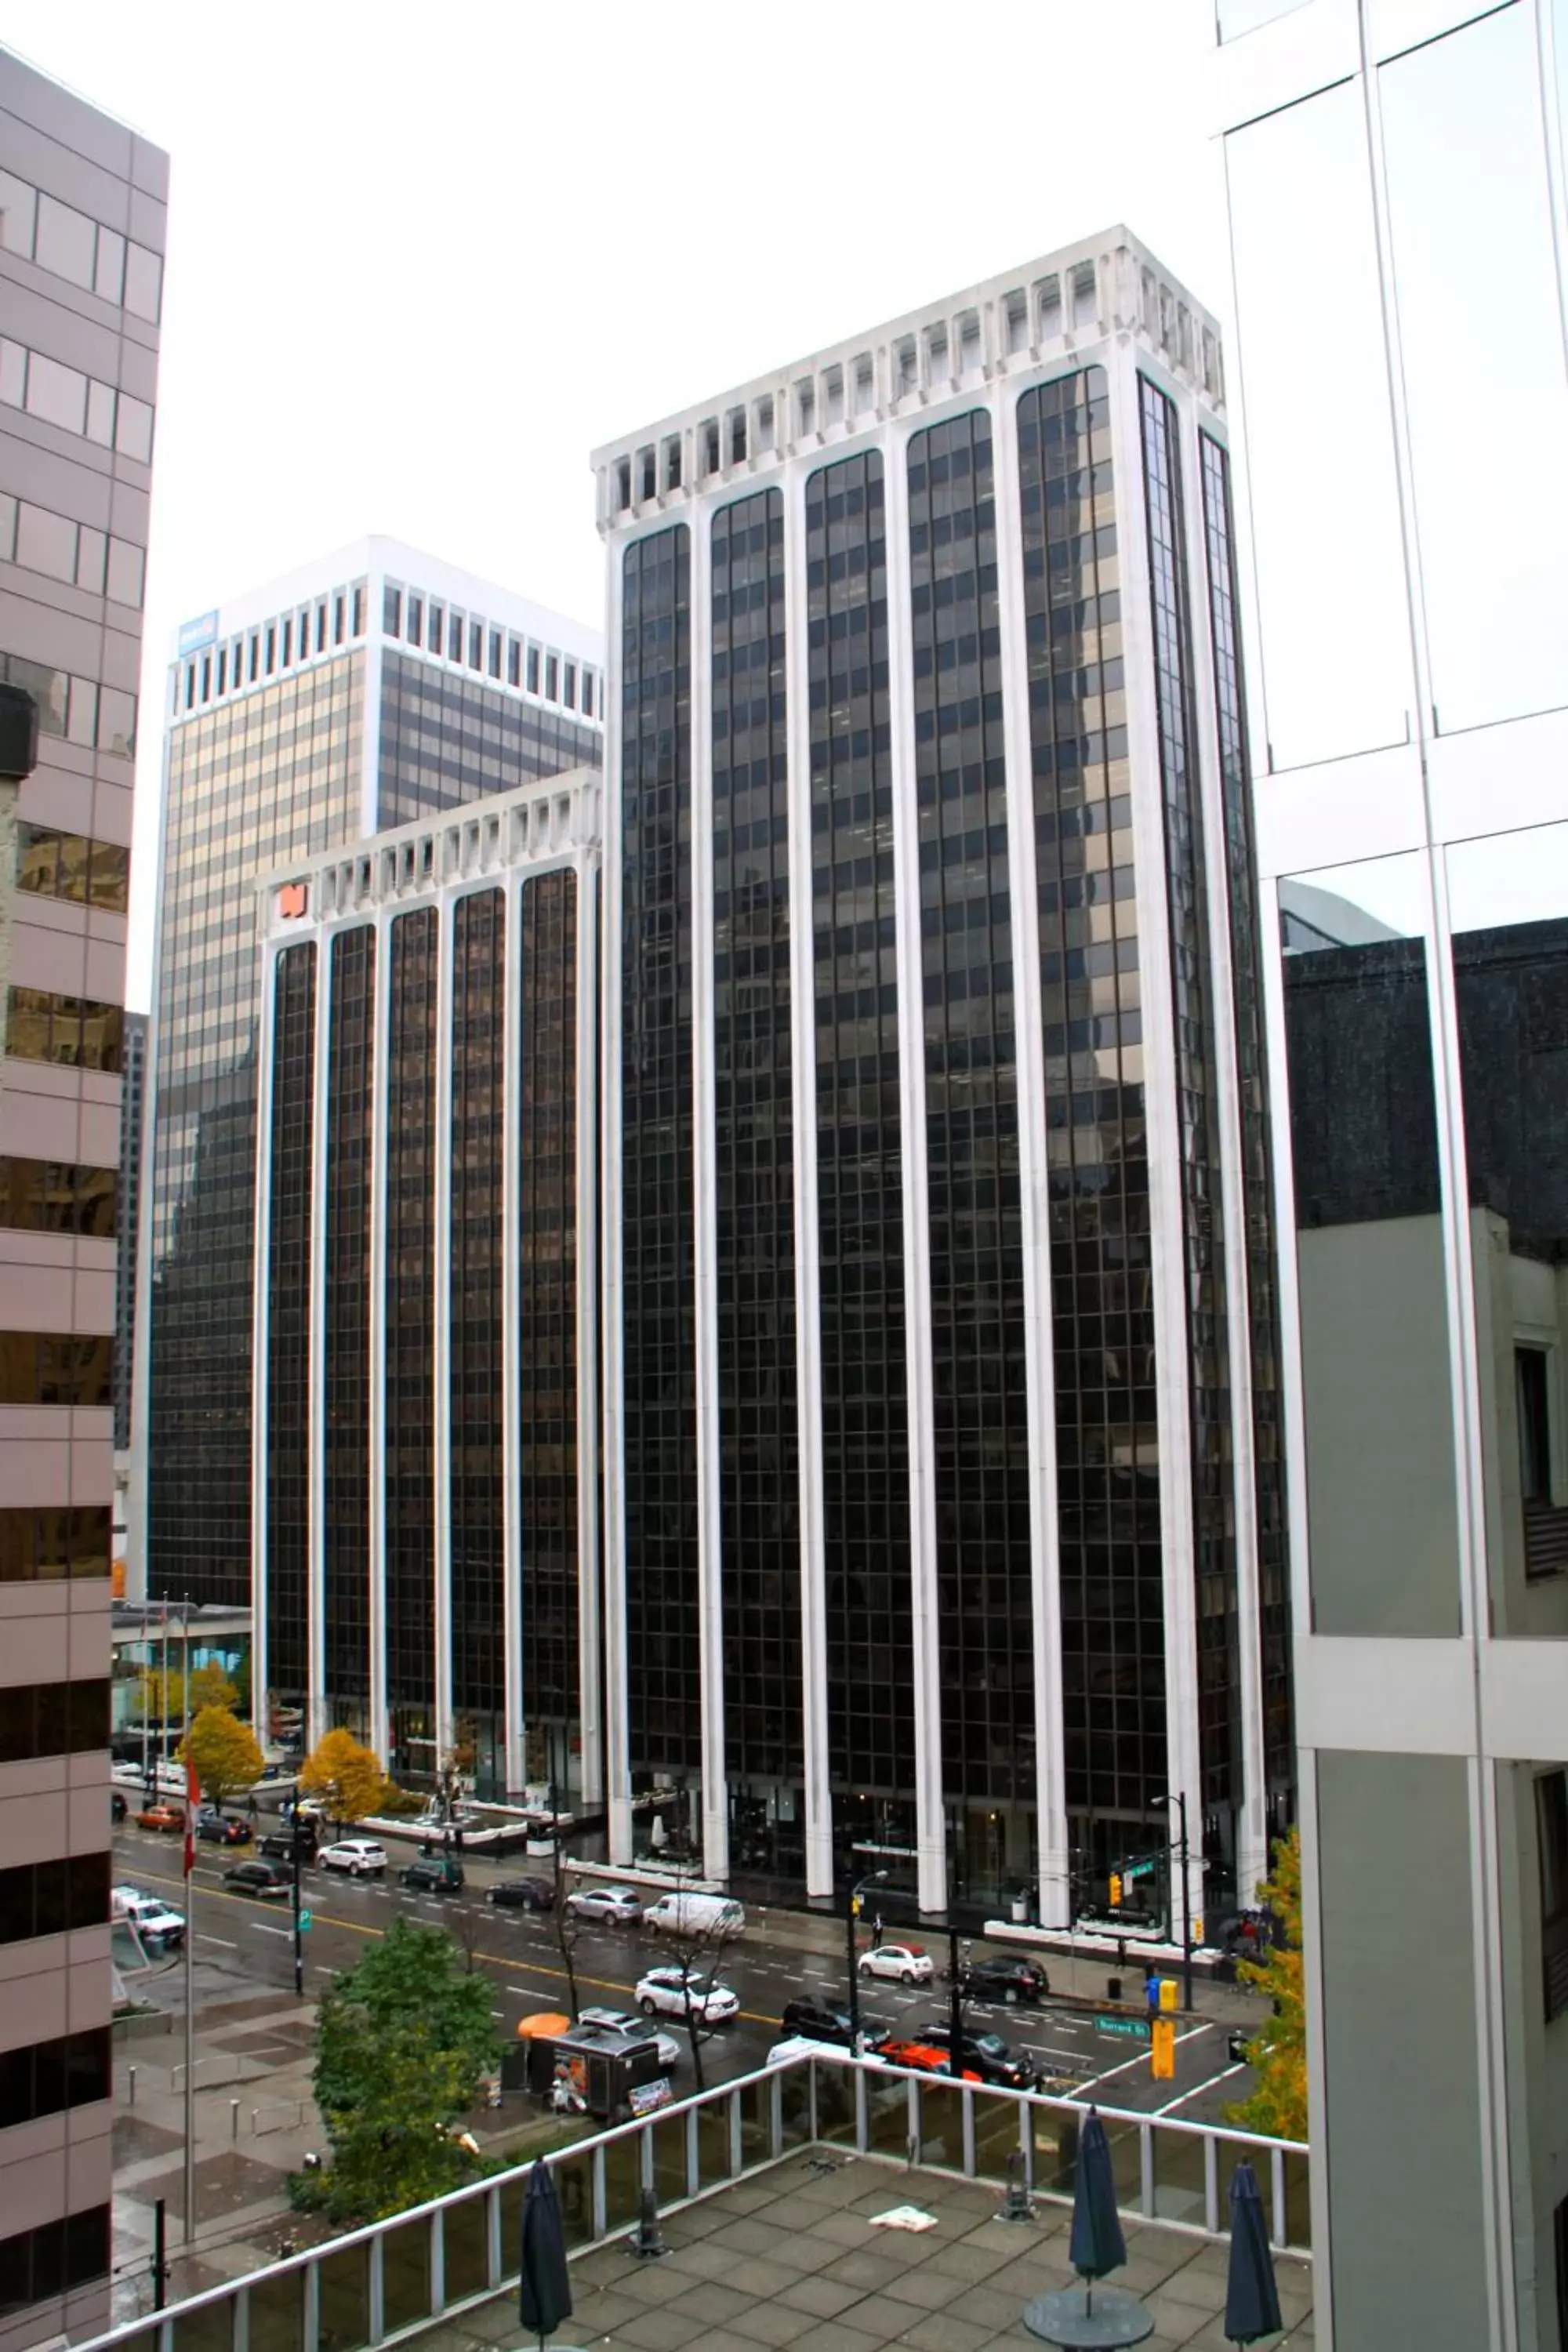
346,1775
402,2041
1277,2051
224,1752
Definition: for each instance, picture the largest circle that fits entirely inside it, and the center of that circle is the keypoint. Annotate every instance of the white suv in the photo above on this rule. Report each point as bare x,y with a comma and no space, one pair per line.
361,1857
663,1992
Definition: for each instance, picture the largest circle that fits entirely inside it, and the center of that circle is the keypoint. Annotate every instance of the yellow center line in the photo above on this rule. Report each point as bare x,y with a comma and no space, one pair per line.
495,1959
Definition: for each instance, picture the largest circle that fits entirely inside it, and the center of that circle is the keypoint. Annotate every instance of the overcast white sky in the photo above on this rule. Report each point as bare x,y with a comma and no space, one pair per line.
423,257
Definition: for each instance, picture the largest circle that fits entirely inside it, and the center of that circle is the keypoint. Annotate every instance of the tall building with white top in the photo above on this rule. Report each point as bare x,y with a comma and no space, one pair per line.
943,1526
372,688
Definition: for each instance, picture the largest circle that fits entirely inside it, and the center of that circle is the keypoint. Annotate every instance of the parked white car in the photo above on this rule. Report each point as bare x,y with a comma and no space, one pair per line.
905,1963
627,2021
667,1992
361,1857
612,1907
154,1920
686,1914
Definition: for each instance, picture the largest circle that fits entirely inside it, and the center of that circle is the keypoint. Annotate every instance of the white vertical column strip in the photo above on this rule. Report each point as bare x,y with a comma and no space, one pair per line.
807,1220
316,1715
441,1563
1161,1084
930,1828
261,1344
514,1564
150,1213
1229,1175
705,1212
590,1637
380,1071
1055,1892
617,1729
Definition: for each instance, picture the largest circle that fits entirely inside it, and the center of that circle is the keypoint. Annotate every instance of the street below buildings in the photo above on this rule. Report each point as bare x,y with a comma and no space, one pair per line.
246,1946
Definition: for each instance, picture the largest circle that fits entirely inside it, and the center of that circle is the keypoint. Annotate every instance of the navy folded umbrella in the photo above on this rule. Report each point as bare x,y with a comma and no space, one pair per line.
545,2286
1251,2297
1097,2244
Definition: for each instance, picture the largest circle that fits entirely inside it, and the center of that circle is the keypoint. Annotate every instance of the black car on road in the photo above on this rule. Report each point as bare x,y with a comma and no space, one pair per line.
279,1844
221,1829
814,2021
436,1876
262,1878
985,2054
1009,1981
522,1894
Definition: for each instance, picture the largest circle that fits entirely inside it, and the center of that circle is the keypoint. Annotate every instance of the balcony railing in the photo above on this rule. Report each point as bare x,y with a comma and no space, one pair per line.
385,2283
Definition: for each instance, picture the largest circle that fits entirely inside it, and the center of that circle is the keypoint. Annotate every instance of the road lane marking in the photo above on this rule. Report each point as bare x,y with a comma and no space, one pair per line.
1180,2100
203,1938
265,1927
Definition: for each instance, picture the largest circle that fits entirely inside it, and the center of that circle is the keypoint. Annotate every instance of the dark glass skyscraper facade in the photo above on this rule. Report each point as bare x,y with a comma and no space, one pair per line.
426,1383
299,721
990,1185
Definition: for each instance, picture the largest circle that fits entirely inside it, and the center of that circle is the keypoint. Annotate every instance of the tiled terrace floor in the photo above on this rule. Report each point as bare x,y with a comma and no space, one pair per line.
790,2256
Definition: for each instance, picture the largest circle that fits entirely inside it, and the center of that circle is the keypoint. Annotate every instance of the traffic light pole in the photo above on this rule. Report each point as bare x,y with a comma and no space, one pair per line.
299,1935
851,1913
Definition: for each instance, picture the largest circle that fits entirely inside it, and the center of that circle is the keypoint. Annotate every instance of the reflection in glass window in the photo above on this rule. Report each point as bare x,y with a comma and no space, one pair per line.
1489,439
18,215
57,394
66,241
143,282
1323,482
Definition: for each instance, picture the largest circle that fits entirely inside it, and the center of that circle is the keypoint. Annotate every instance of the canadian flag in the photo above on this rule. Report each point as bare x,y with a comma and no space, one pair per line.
192,1797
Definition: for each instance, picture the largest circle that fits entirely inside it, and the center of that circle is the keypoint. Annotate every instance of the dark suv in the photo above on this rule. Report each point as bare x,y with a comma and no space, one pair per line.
439,1876
985,2054
1009,1981
814,2021
522,1894
279,1844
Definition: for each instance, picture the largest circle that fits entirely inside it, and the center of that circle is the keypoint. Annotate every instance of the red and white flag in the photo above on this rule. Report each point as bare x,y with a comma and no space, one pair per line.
192,1797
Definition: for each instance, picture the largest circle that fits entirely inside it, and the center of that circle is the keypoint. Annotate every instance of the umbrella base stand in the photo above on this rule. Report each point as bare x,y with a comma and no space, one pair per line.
1089,2319
646,2244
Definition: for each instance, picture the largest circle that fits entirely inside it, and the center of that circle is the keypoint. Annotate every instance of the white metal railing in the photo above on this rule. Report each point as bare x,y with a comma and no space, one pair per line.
385,2283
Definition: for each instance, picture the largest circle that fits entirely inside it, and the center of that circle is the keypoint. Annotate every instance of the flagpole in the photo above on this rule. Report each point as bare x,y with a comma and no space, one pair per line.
190,2199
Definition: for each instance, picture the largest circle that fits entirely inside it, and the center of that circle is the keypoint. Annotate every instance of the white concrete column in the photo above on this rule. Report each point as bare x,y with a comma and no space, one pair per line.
380,1072
261,1343
1054,1893
807,1220
441,1564
590,1632
1229,1173
316,1713
617,1729
930,1829
1167,1239
513,1567
705,1213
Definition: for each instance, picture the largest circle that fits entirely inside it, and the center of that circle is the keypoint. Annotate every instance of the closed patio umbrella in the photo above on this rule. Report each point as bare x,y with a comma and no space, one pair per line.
1097,2245
545,2288
1251,2297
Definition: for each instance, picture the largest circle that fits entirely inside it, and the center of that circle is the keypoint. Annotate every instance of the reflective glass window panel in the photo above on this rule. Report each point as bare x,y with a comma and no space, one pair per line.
133,428
66,241
57,394
143,282
46,542
18,215
109,270
127,567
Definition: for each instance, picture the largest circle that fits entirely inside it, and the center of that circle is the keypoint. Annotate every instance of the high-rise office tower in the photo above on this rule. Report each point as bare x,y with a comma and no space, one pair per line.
376,686
81,238
426,1399
133,1077
1395,175
943,1529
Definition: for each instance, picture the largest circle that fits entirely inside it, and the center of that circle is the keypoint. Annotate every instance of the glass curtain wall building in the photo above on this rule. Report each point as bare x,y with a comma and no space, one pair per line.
1410,744
424,1408
82,212
943,1526
375,686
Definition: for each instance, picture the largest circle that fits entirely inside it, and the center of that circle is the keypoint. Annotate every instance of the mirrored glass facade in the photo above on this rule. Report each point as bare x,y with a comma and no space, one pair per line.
290,1222
476,1510
345,1503
412,1138
1002,1544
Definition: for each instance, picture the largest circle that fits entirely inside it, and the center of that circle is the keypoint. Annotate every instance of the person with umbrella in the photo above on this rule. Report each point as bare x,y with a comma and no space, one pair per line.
544,2287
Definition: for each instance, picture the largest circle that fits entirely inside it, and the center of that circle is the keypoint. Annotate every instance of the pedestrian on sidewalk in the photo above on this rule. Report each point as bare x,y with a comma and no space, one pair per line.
877,1931
1151,1990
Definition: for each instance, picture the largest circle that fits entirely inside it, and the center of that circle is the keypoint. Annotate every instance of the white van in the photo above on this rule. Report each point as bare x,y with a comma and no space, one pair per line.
695,1914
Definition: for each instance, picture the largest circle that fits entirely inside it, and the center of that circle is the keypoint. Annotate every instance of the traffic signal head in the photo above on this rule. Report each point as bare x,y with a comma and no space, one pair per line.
1116,1890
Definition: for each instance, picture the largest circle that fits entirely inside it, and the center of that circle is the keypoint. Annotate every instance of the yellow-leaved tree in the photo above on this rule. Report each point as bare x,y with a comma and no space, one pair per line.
346,1775
224,1752
1277,2051
209,1686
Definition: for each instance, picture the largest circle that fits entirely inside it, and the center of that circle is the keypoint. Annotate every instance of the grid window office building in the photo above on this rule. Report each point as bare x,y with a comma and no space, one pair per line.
1410,752
376,686
425,1463
81,237
943,1524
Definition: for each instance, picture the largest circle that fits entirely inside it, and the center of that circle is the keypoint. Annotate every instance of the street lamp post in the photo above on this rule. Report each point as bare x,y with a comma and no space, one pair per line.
1179,1802
852,1911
